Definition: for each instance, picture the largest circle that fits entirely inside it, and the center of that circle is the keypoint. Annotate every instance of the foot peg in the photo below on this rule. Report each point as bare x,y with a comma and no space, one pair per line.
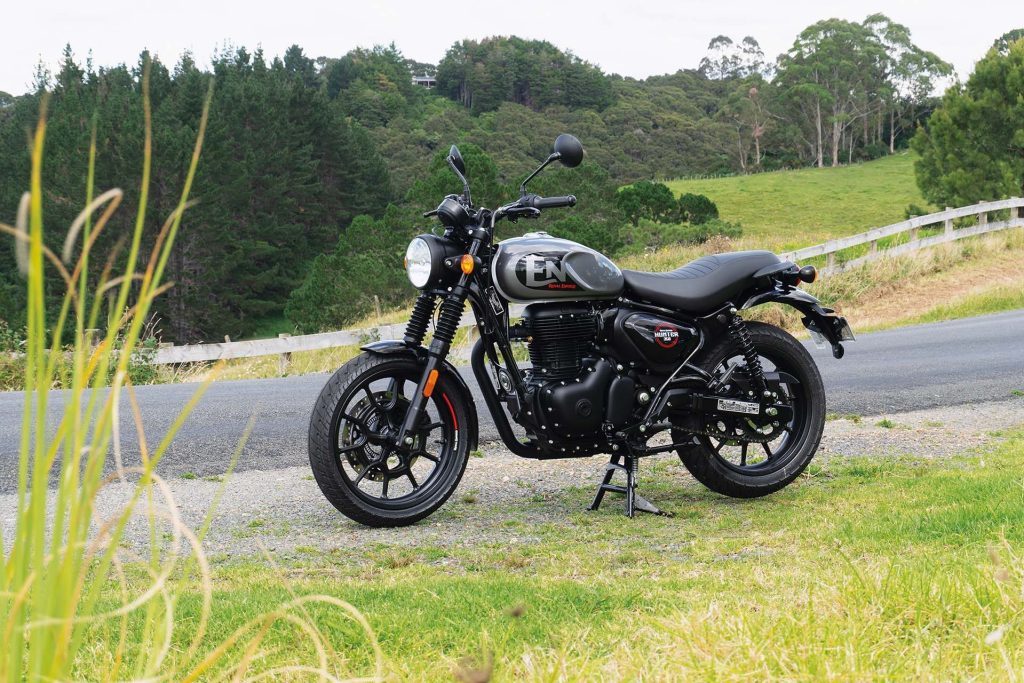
628,465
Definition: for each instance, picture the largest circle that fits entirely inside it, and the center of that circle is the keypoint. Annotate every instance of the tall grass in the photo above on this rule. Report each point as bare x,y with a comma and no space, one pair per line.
65,560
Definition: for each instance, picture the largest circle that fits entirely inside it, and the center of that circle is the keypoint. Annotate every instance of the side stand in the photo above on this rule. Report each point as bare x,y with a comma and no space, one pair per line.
628,465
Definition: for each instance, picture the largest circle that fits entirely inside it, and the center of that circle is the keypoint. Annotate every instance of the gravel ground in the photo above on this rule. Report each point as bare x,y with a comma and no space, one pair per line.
284,511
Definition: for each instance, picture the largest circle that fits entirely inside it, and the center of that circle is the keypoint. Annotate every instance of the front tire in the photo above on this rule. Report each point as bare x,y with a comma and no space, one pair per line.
734,469
356,468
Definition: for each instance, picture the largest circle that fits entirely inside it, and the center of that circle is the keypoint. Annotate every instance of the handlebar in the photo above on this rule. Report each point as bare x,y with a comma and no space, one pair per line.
549,202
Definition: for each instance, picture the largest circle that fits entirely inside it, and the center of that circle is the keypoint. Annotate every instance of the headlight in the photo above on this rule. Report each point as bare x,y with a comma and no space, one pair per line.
418,262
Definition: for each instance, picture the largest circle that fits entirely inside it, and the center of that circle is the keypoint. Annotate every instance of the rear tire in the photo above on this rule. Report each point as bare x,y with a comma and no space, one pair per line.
717,472
359,475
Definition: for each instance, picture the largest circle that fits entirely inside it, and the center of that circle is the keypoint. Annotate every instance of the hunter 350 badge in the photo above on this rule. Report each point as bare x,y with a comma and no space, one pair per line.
666,336
544,272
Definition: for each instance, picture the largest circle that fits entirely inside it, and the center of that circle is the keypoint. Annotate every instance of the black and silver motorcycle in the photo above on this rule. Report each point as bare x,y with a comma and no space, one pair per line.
617,357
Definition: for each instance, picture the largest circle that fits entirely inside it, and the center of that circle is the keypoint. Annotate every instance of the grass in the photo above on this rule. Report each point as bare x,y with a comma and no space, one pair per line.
67,579
866,568
793,209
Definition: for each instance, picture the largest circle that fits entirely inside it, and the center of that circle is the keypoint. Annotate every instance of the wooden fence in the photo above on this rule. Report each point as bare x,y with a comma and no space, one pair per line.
284,345
949,233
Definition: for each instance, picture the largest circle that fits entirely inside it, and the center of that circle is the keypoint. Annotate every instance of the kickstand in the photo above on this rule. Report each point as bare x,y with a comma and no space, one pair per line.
628,465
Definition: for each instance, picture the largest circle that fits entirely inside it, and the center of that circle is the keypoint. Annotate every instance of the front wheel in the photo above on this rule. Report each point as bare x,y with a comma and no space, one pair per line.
351,434
729,464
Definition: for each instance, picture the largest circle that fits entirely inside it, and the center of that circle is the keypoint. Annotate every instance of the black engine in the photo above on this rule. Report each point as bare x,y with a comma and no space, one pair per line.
573,389
560,336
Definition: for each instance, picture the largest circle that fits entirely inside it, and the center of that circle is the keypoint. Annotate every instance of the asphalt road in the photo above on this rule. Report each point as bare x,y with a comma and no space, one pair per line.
940,364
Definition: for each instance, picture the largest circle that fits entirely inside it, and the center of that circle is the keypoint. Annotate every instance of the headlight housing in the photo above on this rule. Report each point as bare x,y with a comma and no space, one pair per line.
419,263
432,261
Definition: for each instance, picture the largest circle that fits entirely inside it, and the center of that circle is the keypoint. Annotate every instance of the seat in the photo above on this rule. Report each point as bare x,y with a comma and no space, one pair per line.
701,285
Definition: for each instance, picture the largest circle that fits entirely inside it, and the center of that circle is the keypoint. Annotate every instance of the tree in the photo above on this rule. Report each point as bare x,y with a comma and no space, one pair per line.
972,147
1002,43
910,74
726,59
830,67
481,75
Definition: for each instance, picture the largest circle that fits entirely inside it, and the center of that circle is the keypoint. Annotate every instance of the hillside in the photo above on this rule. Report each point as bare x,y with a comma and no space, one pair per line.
792,209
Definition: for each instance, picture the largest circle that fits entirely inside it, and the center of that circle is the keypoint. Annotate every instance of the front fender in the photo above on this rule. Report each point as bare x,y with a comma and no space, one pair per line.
817,318
389,347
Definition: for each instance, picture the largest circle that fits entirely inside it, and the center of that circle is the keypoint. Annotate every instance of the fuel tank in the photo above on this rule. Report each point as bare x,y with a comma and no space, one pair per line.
539,267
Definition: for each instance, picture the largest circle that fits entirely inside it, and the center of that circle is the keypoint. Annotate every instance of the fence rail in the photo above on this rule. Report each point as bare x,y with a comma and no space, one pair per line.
949,233
284,345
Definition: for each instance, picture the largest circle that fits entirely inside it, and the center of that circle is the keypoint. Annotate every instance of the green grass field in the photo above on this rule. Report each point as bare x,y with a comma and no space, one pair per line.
866,568
799,208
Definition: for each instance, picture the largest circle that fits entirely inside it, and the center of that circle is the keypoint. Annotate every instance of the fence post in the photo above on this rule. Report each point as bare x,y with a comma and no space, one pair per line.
914,234
874,246
830,260
949,223
285,359
983,216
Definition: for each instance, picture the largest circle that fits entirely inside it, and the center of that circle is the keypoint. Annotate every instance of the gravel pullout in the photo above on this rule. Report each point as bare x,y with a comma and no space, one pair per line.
284,511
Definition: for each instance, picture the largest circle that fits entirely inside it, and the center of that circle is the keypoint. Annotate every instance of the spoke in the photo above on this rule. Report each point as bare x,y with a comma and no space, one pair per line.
433,425
429,456
384,487
349,449
369,395
355,420
718,448
362,474
767,449
743,455
412,479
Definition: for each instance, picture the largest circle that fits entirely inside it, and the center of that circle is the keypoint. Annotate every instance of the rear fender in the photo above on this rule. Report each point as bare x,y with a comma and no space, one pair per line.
395,347
817,318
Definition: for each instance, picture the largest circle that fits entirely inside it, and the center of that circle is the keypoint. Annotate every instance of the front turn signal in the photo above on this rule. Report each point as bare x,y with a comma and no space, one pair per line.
467,264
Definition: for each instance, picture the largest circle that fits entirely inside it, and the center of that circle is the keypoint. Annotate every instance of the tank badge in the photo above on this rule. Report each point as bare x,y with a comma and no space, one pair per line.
539,272
667,336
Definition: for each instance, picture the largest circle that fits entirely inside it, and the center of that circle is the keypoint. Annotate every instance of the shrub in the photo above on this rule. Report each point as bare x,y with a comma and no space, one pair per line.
696,208
913,210
646,199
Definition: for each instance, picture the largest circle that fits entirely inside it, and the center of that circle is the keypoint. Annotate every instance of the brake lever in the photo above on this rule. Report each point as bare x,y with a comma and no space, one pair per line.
428,214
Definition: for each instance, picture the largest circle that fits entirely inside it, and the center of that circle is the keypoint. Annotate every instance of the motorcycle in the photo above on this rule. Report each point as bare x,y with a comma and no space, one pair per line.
617,357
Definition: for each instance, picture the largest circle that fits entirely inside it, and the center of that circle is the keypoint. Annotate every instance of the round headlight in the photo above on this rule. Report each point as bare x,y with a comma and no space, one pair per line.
418,263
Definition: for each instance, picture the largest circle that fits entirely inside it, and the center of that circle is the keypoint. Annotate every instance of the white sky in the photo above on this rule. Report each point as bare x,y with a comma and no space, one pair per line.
630,37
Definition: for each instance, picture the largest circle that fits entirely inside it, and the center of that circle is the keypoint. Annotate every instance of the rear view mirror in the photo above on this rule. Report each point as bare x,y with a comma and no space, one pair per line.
456,160
569,150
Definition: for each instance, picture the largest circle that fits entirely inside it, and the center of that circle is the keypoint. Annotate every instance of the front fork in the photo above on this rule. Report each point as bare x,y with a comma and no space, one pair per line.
444,332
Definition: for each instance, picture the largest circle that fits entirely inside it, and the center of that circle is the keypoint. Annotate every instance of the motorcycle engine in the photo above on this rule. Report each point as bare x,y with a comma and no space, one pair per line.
573,390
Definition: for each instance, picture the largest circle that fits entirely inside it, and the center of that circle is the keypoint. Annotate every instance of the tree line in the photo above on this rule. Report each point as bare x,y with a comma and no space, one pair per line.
315,170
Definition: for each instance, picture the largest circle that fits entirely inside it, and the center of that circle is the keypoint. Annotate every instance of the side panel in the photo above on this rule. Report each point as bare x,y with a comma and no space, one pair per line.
655,341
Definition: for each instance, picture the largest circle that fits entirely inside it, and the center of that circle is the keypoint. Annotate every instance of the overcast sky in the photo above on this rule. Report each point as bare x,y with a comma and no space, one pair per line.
630,37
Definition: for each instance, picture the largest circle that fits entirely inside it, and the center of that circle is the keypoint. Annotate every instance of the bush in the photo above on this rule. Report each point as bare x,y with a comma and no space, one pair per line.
645,199
650,235
913,210
696,209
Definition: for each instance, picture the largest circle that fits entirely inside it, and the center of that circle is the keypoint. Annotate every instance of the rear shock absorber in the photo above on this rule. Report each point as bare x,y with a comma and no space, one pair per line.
739,331
416,329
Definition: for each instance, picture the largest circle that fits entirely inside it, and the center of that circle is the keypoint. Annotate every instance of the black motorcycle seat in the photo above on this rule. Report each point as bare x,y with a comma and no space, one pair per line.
701,285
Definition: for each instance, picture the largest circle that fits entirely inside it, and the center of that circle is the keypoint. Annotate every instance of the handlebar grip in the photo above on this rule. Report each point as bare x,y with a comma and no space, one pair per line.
552,202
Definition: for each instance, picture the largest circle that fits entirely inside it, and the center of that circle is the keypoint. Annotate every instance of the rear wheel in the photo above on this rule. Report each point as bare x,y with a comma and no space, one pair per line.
725,458
351,434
